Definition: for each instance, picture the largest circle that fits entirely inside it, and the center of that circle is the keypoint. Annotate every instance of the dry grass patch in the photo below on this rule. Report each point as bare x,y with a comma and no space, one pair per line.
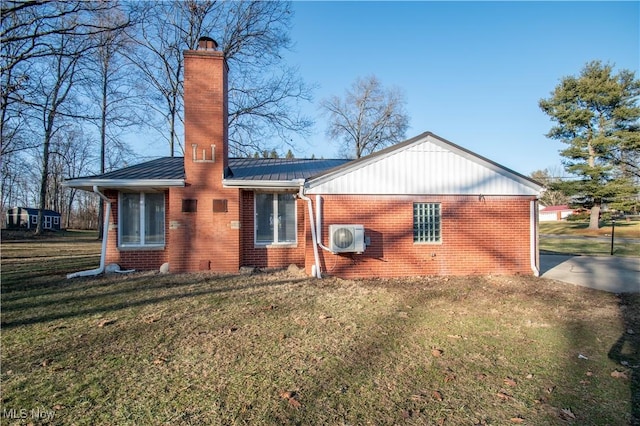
279,348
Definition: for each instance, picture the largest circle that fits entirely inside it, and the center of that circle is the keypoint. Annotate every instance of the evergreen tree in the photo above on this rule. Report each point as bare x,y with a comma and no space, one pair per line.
596,115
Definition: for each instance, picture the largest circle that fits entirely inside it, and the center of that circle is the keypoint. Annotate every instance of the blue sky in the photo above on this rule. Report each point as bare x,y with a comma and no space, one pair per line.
472,72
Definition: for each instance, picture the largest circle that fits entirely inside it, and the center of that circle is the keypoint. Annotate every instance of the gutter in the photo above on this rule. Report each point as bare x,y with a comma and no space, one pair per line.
315,270
123,183
262,184
533,238
105,230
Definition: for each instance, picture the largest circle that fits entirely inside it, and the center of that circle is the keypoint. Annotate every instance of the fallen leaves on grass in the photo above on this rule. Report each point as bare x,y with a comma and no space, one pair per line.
291,398
106,322
449,376
294,403
567,414
619,374
517,419
436,352
436,395
407,414
510,382
504,396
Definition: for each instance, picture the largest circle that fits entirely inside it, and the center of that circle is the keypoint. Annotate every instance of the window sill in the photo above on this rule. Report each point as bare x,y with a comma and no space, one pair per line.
427,243
276,245
142,248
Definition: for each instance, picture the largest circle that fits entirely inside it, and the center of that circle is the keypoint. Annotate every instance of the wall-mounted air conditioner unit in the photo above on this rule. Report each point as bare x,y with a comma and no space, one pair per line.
346,238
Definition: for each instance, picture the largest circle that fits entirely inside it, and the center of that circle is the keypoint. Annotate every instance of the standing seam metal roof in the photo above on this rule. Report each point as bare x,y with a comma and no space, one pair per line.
279,169
267,169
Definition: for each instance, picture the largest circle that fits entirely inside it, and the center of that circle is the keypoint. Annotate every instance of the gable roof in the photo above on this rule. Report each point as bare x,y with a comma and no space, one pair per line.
32,211
243,172
425,164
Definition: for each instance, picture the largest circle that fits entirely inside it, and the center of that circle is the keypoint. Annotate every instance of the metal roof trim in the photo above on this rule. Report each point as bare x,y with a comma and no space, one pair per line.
261,184
123,183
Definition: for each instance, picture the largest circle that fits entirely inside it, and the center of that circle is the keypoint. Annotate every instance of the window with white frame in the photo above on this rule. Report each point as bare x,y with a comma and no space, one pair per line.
426,222
275,218
141,219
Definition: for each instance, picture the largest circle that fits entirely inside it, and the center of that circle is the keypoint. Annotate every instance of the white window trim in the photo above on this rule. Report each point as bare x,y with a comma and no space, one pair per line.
142,225
273,243
439,241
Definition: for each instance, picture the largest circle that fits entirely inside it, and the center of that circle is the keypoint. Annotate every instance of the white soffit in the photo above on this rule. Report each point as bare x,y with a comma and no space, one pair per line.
426,165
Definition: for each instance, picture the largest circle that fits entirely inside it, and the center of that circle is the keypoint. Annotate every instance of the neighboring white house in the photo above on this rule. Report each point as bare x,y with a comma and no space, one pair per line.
554,213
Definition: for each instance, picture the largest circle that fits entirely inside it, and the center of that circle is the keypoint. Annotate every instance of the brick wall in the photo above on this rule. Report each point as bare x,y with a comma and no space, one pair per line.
133,258
273,256
489,236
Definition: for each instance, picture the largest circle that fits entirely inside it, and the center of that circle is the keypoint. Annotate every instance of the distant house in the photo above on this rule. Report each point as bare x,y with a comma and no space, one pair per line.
27,218
425,206
554,213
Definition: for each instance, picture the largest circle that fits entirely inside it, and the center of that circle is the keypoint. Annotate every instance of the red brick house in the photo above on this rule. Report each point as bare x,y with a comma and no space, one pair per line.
422,207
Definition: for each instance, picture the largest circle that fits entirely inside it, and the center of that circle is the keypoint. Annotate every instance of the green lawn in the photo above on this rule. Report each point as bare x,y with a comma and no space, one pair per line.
281,348
623,228
576,238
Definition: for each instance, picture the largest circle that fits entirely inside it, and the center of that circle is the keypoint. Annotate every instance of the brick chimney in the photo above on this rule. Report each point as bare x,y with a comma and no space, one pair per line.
204,216
205,105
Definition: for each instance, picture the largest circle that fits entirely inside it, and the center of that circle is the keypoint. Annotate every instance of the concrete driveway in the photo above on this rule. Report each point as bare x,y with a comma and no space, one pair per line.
612,274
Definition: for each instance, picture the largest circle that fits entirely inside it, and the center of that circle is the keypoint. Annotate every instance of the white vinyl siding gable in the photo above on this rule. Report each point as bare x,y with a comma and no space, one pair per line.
428,165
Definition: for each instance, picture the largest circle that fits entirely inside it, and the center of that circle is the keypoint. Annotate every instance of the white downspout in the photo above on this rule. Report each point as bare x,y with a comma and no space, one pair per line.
319,223
533,239
105,230
315,270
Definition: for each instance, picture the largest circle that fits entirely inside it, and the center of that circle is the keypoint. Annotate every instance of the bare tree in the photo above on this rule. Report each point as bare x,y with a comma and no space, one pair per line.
74,155
252,35
368,118
26,30
112,85
55,104
43,44
264,93
551,196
